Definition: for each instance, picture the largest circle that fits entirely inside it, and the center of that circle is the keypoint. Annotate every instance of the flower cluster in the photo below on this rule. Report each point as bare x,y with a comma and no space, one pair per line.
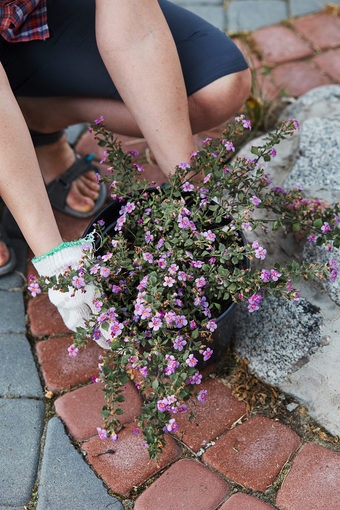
171,260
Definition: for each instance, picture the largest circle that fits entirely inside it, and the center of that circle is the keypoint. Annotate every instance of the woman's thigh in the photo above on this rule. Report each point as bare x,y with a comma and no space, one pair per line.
68,64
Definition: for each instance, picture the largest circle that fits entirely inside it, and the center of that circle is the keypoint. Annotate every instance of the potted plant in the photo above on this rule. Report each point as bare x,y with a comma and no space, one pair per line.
171,263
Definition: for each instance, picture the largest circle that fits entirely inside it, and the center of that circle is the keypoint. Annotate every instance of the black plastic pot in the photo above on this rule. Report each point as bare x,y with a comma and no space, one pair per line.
225,322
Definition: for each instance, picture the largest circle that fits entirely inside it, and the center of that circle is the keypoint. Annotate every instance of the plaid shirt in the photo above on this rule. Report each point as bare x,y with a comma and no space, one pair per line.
23,20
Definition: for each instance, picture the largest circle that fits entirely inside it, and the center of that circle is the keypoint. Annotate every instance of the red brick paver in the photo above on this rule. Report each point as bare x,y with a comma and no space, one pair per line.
212,418
265,88
321,30
253,453
245,502
62,371
329,62
45,318
88,145
313,482
280,44
186,485
297,78
81,409
129,465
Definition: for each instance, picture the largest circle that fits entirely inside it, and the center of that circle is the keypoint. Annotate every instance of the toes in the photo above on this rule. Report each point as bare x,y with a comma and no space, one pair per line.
77,201
84,190
4,254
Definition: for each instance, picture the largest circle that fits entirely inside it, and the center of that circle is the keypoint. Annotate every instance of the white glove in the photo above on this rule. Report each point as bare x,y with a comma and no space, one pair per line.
74,310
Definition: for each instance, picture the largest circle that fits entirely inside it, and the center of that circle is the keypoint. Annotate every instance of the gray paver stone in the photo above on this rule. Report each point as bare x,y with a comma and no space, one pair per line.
11,508
251,14
21,426
66,481
12,312
214,14
302,7
15,352
15,280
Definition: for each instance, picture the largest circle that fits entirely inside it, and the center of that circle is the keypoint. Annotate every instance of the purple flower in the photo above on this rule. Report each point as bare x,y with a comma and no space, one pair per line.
211,325
155,323
162,405
99,120
275,275
73,350
114,437
96,334
183,222
207,354
105,272
143,371
246,226
148,257
182,276
168,281
107,256
191,361
265,275
162,263
173,269
179,343
78,282
202,395
273,153
246,124
229,146
311,238
181,321
295,122
184,165
197,263
260,253
209,235
256,201
160,243
193,325
172,425
188,187
200,282
206,178
148,237
130,206
196,378
102,433
325,228
104,157
34,288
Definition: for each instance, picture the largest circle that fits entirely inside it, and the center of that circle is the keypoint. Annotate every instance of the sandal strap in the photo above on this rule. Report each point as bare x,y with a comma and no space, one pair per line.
40,139
59,188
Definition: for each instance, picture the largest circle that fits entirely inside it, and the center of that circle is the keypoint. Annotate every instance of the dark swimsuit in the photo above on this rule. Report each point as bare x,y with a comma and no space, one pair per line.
68,64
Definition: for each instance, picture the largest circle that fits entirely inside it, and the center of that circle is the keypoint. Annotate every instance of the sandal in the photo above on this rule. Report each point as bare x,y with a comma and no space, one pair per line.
59,188
10,264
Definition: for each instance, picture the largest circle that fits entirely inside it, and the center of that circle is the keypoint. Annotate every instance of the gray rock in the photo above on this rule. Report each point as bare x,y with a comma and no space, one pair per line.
16,279
263,13
214,14
319,153
291,407
313,253
316,383
302,7
277,337
15,352
21,426
319,102
11,508
12,312
66,481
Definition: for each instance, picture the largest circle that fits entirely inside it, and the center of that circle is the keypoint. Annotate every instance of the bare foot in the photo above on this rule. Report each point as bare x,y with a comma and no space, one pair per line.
4,254
54,159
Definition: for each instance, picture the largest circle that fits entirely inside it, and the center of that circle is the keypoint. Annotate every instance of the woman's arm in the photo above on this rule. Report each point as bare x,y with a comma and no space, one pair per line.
21,184
139,52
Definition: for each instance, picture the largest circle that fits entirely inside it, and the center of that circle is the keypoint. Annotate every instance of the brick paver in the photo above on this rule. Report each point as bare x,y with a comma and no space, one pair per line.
329,62
280,44
245,502
88,145
127,464
81,409
252,454
313,481
186,485
62,371
321,30
265,88
212,418
45,318
297,78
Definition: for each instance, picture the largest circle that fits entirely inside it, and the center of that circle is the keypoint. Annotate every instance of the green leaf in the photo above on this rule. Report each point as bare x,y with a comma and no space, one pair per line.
317,223
296,227
120,398
119,411
266,157
195,333
255,150
155,384
276,225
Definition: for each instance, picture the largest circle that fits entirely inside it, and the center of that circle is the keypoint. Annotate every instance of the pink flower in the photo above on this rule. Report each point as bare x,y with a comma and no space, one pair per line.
211,325
202,395
187,186
155,324
72,350
102,433
168,281
191,361
78,282
256,201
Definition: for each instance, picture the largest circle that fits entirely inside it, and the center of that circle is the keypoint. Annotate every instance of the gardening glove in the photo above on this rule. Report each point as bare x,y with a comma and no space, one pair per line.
74,310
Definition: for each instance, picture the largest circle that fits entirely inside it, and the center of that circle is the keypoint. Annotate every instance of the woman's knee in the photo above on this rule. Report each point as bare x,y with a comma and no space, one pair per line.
219,100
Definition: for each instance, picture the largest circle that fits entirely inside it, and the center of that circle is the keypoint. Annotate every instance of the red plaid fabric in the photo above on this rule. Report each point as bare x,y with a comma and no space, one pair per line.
23,20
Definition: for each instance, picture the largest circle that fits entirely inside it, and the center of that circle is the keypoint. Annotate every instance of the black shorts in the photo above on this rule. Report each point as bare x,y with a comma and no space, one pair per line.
68,63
